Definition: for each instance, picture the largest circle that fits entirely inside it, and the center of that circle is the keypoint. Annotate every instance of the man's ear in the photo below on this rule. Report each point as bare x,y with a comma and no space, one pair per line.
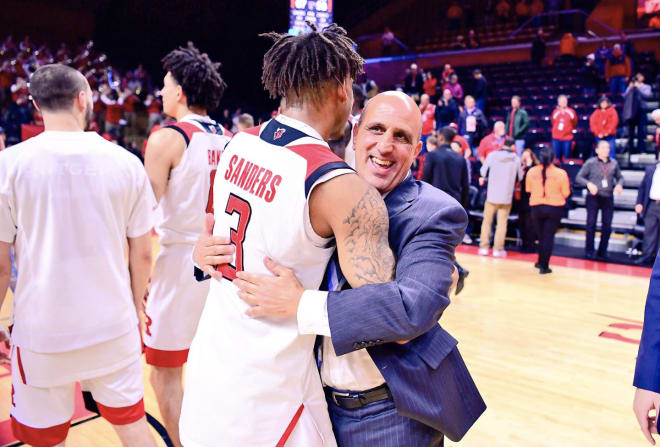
418,148
81,100
342,95
355,131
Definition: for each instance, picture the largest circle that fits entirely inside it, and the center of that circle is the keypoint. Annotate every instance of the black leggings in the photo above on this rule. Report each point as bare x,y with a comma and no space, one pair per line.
546,221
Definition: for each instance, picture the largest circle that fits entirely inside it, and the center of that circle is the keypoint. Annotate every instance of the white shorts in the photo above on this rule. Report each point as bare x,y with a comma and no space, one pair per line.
174,306
41,415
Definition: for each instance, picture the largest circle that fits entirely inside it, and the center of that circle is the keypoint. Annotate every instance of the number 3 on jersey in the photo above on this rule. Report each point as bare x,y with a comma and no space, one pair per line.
237,236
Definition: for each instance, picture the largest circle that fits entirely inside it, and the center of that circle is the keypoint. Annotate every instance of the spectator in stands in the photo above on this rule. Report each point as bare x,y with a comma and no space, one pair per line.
473,41
648,208
114,110
602,177
480,92
655,115
523,11
493,142
517,123
454,15
414,82
130,100
472,122
603,54
634,112
225,119
527,232
17,114
567,48
617,70
502,169
428,119
387,39
564,120
538,47
454,87
590,76
447,71
463,145
654,22
245,121
430,85
503,11
548,187
536,8
154,110
446,111
446,169
603,123
459,44
627,46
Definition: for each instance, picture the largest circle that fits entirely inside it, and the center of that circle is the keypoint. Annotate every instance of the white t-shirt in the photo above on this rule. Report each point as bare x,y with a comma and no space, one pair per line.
69,200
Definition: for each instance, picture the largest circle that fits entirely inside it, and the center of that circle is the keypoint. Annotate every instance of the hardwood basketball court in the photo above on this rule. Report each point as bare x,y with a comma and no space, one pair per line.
553,355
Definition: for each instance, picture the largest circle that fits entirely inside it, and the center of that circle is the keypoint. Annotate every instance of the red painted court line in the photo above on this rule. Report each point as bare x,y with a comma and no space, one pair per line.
560,261
618,318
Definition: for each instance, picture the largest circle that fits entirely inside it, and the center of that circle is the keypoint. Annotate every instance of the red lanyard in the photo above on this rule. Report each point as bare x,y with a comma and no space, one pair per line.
603,169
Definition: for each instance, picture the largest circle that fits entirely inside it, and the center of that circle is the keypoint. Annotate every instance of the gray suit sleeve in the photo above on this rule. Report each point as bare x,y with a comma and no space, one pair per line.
411,304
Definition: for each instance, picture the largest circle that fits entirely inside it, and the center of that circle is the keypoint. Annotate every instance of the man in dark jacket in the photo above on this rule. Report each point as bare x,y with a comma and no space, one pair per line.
472,123
446,169
517,123
480,92
447,110
634,112
414,82
648,207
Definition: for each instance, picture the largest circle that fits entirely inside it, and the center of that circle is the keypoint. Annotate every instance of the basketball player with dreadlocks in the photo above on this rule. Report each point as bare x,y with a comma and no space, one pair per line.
282,193
181,162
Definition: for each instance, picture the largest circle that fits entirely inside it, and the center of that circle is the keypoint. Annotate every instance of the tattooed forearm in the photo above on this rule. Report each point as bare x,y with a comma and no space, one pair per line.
367,251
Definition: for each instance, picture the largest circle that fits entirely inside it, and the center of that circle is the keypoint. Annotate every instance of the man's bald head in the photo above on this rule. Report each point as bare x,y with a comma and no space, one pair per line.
54,87
401,104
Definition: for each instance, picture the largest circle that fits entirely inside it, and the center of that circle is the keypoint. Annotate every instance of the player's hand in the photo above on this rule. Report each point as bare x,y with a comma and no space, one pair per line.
644,402
618,189
5,338
211,251
593,189
276,296
482,181
639,208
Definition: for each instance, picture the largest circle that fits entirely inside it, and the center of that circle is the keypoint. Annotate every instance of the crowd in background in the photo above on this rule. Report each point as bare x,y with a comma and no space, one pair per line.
492,160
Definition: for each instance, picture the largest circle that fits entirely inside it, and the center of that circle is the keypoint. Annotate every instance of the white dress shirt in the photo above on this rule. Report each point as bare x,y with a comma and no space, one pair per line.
354,371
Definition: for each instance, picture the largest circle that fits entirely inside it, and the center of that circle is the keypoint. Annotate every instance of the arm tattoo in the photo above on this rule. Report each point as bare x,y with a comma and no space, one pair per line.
367,245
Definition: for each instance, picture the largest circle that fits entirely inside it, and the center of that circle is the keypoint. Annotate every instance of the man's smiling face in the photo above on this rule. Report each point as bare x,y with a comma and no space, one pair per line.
387,140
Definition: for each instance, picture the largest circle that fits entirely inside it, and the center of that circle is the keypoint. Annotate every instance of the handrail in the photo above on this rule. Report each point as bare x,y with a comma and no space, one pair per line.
378,36
558,13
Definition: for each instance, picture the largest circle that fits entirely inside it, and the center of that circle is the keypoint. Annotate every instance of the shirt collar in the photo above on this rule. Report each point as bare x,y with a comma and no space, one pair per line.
299,125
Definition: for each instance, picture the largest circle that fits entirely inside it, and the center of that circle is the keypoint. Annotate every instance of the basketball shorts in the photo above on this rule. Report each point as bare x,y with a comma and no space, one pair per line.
174,307
42,403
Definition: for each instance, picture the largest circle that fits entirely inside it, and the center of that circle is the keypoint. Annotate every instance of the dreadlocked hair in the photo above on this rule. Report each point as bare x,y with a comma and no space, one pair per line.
197,75
299,67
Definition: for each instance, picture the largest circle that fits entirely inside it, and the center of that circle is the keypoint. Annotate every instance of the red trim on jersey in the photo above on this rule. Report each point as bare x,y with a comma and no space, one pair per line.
290,427
39,436
317,155
122,415
167,359
187,128
253,130
20,364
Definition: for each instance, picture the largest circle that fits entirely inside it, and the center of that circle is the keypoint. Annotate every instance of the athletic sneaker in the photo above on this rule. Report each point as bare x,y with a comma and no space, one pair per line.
484,252
499,253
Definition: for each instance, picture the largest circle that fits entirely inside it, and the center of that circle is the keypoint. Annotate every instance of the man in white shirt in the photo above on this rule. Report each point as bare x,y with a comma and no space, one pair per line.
424,380
70,202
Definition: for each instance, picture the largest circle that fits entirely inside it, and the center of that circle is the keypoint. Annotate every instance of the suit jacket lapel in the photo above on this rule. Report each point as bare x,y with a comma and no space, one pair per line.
401,197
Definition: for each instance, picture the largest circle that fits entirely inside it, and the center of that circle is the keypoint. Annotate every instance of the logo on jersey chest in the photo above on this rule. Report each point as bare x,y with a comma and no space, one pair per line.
278,133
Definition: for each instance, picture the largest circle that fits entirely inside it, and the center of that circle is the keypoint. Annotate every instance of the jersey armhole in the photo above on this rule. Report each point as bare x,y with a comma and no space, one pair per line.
312,182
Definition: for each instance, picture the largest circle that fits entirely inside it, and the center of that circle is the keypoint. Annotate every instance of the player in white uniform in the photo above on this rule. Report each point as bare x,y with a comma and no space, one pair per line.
69,203
280,192
181,161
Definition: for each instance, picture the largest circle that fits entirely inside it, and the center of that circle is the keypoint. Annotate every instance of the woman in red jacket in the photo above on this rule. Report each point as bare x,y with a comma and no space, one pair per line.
603,123
564,120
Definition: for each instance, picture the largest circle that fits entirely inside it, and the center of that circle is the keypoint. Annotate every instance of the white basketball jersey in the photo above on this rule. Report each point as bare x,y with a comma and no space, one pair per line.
186,200
246,377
